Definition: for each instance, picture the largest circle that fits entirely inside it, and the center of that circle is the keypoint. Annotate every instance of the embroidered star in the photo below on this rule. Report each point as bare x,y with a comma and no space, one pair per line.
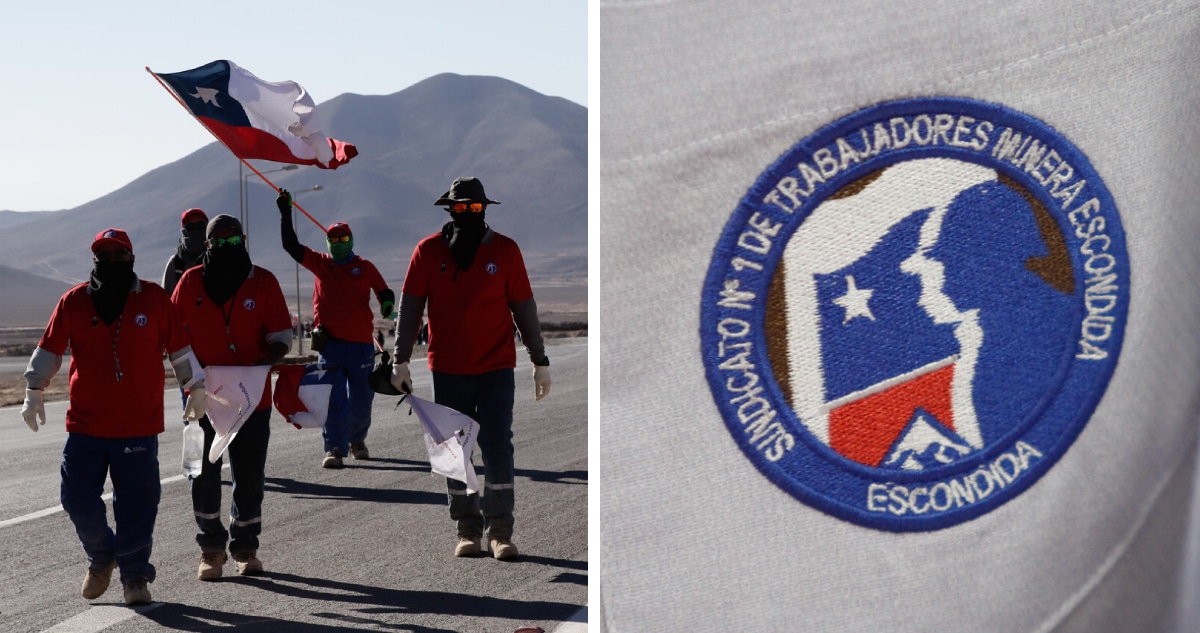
207,95
855,301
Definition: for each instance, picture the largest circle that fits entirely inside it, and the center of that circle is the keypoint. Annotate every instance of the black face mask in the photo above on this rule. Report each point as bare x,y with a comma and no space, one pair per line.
463,233
224,271
191,245
110,285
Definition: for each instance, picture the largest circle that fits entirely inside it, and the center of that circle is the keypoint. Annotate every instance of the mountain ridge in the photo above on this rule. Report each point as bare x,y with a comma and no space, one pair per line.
529,150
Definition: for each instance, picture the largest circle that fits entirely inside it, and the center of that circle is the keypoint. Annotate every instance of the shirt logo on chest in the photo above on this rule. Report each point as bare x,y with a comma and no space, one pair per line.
248,304
490,268
140,320
914,312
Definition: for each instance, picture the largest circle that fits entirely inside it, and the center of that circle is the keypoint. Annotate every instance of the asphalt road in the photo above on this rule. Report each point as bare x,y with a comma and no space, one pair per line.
364,548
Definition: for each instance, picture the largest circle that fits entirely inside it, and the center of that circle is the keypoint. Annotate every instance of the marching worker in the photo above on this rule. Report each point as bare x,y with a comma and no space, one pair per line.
343,282
475,284
235,314
117,328
191,246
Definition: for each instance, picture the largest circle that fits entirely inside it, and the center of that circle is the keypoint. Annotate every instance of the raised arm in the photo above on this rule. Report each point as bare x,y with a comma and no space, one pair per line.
287,232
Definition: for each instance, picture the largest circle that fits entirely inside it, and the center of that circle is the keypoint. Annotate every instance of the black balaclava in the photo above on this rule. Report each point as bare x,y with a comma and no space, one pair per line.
225,268
191,245
463,233
110,284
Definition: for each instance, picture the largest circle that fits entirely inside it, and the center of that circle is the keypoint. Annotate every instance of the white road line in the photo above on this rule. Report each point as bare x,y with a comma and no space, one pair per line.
48,511
99,618
576,624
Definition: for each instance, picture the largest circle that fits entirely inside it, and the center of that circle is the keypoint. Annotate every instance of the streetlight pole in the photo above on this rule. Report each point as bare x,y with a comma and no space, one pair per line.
244,197
299,314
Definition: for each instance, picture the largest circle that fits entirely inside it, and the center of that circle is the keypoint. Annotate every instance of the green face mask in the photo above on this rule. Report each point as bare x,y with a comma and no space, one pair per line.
341,250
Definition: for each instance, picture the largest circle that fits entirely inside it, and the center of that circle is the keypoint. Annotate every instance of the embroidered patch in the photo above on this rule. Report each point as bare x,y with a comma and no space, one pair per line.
491,268
140,320
913,313
248,304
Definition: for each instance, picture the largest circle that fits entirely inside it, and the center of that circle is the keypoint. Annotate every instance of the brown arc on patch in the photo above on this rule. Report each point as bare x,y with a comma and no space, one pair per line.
1054,268
775,328
857,186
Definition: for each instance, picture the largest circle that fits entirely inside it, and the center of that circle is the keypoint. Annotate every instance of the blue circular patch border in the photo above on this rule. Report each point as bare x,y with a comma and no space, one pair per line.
810,471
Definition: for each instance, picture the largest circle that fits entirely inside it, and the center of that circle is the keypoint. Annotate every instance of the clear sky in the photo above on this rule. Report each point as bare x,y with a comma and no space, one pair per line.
83,118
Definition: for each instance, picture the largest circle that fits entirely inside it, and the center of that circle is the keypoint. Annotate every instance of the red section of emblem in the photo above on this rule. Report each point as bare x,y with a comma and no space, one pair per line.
865,429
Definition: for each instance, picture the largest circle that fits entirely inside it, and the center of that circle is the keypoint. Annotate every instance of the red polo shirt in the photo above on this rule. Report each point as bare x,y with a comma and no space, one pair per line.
342,295
234,333
470,322
101,405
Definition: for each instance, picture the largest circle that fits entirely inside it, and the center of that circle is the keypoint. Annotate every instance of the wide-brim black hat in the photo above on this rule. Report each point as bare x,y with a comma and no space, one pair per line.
464,190
380,379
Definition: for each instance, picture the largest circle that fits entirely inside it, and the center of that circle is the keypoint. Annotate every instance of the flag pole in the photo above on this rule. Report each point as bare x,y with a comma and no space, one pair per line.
260,174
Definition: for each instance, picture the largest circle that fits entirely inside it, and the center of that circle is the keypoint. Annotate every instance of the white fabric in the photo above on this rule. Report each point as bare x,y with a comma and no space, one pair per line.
233,393
316,400
283,109
697,99
449,439
34,408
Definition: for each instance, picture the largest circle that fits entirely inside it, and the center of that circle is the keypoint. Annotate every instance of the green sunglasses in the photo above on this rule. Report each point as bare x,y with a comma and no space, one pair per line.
222,242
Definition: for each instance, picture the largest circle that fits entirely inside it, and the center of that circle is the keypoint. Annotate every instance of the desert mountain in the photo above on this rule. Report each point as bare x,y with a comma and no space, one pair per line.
528,149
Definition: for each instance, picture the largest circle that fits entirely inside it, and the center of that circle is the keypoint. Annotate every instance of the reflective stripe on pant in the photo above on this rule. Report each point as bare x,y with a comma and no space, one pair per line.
247,463
132,463
488,398
357,359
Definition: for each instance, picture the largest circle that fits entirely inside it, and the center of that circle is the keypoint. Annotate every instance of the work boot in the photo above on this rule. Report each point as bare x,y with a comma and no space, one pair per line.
468,545
95,583
212,561
502,547
358,450
137,593
333,459
248,563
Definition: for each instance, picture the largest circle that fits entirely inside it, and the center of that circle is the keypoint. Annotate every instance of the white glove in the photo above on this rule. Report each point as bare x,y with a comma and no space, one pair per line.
196,406
34,408
401,379
541,382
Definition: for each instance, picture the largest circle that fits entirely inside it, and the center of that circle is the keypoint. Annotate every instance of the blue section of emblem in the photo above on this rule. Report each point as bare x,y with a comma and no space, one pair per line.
914,312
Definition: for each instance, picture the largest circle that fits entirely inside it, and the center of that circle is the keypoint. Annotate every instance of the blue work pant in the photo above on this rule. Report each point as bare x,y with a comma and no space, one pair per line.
247,464
488,399
356,360
132,463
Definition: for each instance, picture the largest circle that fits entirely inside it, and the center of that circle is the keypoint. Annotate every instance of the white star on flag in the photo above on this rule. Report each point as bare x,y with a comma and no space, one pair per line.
207,95
855,301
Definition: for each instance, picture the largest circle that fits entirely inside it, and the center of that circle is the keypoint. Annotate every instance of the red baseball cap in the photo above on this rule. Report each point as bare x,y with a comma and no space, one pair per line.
195,215
112,236
339,228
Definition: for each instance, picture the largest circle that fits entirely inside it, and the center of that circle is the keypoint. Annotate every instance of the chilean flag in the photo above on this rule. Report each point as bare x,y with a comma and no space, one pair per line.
306,394
257,119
